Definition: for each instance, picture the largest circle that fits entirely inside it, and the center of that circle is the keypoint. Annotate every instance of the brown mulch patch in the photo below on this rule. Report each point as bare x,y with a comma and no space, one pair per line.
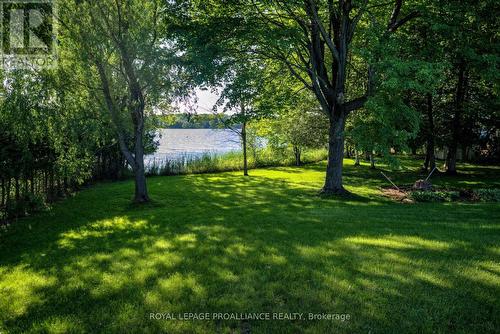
397,195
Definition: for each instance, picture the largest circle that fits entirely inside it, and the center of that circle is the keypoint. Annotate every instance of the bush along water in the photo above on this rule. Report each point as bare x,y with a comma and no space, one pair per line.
232,161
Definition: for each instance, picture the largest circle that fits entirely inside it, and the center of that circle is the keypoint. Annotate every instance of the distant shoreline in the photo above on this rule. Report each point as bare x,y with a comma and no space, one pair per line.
194,122
197,128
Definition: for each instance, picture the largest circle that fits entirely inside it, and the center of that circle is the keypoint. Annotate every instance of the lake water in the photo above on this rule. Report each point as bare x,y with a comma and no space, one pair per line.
178,143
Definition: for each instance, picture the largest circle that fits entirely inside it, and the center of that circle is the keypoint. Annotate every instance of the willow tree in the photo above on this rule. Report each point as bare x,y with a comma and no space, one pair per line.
122,43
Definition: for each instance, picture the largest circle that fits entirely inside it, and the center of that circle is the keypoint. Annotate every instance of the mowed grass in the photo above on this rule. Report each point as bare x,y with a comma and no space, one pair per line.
268,243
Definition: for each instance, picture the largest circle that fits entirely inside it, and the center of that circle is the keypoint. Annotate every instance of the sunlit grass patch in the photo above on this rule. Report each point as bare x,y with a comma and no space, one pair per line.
399,242
20,289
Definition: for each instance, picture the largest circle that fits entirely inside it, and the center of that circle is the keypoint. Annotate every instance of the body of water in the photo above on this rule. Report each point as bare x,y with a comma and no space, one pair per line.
178,143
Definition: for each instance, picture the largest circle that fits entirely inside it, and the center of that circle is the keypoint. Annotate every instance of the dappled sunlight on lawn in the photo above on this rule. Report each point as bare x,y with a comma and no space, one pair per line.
399,242
268,243
20,289
484,272
100,229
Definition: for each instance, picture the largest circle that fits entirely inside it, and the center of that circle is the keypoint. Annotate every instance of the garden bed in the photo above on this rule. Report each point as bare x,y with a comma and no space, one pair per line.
408,194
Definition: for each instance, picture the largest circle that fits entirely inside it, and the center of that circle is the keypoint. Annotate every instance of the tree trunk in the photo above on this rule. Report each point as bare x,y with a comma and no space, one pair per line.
16,185
333,182
244,144
297,153
9,185
25,181
451,161
357,162
430,158
51,185
348,152
45,184
244,140
141,189
2,199
367,155
451,158
465,153
135,161
32,183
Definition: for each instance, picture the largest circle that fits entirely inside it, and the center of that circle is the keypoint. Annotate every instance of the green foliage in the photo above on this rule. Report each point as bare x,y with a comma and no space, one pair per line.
47,140
193,121
434,196
300,125
458,36
385,123
487,195
27,204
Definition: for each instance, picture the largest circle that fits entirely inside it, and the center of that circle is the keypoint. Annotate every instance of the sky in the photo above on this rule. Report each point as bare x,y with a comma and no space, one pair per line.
205,103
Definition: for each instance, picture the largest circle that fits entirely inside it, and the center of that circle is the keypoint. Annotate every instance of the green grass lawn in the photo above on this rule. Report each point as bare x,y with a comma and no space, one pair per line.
268,243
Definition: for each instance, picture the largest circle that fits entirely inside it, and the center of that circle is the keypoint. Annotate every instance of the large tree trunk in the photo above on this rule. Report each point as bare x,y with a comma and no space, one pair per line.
451,161
333,182
141,188
137,164
430,158
451,158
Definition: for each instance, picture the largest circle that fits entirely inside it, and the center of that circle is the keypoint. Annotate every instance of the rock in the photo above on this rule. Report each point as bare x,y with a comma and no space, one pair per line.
422,185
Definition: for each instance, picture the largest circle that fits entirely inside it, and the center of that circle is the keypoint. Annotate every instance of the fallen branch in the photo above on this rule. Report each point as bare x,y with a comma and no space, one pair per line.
388,179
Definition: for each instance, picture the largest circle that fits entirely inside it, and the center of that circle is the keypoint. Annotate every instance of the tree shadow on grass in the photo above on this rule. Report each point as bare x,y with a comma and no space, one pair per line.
225,243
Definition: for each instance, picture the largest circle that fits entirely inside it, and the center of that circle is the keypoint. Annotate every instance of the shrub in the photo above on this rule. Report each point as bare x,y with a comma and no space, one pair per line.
231,161
27,204
434,196
487,195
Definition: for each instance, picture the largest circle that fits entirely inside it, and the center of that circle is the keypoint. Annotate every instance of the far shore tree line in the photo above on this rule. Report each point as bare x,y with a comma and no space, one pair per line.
359,78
